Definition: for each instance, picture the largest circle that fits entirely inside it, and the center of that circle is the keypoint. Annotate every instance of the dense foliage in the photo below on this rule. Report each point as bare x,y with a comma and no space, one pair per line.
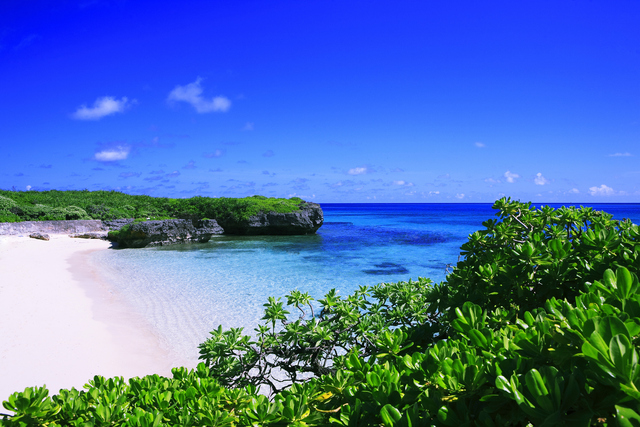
18,206
539,324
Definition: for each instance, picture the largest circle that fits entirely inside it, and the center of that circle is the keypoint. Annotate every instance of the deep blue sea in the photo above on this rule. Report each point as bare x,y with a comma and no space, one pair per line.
185,291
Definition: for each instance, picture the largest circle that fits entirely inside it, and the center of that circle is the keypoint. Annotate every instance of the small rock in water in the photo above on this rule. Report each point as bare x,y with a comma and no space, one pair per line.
39,236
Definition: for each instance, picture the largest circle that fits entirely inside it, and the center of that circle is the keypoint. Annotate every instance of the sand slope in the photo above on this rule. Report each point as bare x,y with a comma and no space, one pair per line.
60,325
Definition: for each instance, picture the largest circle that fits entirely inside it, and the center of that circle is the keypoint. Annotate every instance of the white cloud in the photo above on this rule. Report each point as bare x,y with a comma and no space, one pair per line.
113,154
216,153
434,192
404,183
248,126
603,190
104,106
28,187
540,180
479,144
574,191
511,177
460,196
493,181
357,171
192,94
621,155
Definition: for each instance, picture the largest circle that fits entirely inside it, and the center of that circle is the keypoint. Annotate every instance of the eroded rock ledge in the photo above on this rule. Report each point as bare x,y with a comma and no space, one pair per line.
305,221
173,231
165,232
52,227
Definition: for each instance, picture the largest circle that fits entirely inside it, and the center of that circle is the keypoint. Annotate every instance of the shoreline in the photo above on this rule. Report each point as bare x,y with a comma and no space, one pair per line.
61,323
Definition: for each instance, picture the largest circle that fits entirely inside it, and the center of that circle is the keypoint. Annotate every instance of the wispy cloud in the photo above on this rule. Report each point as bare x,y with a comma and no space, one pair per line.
190,165
511,177
268,153
113,154
215,153
540,180
248,126
102,107
574,191
621,155
26,41
403,183
603,190
129,174
479,144
460,196
358,171
173,174
192,94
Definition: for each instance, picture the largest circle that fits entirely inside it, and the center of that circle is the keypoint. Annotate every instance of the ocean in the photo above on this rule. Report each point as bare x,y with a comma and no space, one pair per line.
185,291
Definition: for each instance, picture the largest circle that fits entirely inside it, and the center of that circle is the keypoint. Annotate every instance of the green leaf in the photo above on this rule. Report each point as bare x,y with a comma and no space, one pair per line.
390,415
620,353
373,379
624,281
627,417
503,384
478,339
535,384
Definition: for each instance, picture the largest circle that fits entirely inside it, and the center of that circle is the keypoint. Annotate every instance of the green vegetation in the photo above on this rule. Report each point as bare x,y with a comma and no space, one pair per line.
539,324
18,206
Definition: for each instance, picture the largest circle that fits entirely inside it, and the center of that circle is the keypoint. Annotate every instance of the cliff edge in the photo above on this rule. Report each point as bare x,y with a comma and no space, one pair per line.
307,220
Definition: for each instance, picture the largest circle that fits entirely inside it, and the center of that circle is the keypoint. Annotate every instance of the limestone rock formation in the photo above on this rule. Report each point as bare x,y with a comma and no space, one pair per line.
305,221
98,235
52,227
117,224
39,236
166,232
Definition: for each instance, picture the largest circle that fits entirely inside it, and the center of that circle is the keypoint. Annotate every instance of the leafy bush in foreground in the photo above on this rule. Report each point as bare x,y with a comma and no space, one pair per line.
551,338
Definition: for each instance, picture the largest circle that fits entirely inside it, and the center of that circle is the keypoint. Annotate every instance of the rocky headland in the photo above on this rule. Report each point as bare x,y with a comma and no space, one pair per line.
307,220
130,234
165,232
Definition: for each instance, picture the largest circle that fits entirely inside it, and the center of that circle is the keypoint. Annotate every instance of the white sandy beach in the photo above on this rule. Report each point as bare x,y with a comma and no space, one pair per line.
60,324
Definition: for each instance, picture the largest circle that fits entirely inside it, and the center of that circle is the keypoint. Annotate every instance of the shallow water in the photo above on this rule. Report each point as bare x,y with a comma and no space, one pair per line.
185,291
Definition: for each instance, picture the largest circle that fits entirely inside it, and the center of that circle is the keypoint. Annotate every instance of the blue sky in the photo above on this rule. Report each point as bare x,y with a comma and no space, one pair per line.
358,101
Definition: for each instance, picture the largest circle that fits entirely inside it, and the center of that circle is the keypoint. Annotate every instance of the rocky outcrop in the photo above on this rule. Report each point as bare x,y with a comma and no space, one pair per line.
52,227
305,221
166,232
130,234
97,235
117,224
39,236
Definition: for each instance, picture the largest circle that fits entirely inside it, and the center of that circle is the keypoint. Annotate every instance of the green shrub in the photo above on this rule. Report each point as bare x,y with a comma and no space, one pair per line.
6,216
74,212
6,203
109,205
539,324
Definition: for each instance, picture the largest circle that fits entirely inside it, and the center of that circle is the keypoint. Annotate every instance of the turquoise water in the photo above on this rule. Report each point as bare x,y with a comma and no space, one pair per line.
185,291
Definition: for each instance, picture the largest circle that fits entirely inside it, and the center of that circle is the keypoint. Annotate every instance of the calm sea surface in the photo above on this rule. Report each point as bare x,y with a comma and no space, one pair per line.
185,291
